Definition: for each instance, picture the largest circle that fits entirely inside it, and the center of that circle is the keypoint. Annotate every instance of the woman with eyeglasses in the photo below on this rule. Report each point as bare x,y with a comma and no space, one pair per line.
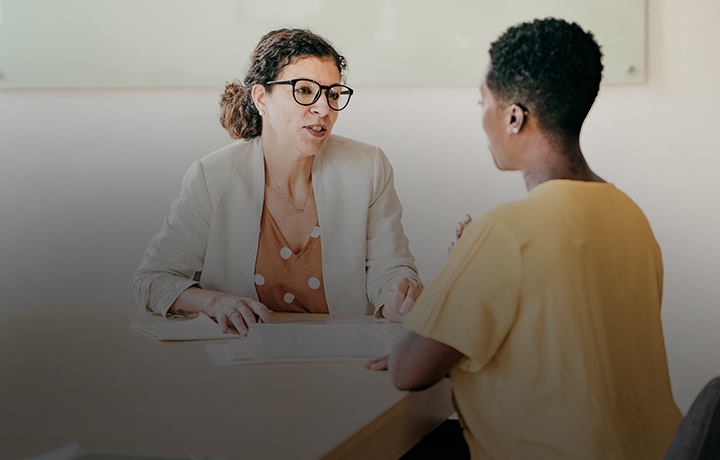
289,217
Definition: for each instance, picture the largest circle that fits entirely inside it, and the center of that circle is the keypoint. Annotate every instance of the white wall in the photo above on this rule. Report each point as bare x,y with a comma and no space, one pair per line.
87,177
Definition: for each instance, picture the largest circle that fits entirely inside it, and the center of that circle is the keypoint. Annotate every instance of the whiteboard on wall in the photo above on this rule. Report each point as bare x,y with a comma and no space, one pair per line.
188,43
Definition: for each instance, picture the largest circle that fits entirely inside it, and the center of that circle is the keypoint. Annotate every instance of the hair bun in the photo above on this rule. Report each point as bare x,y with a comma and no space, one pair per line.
234,91
233,107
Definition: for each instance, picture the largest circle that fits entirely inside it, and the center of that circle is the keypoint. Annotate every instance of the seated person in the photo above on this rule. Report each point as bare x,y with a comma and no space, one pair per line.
289,217
547,314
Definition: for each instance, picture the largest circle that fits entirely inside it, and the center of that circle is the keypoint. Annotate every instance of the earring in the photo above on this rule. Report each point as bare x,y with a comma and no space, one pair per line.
261,112
512,130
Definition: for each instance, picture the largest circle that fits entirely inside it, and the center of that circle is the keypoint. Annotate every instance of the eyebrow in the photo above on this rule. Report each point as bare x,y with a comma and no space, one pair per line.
306,78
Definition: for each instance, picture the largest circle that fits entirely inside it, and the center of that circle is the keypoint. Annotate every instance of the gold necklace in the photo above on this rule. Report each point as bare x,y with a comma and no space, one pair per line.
286,197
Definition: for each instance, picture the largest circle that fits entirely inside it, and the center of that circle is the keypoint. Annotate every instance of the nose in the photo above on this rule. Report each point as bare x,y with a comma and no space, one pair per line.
321,107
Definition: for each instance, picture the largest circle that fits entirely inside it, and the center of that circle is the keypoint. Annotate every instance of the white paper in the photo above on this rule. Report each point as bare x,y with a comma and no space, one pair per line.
219,357
200,328
63,453
295,341
74,452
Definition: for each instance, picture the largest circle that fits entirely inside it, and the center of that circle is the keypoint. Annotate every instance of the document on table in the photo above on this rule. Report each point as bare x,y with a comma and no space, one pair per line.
201,328
75,452
328,340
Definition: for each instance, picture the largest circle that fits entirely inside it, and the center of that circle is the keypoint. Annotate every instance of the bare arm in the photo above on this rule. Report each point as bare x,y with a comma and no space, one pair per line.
417,362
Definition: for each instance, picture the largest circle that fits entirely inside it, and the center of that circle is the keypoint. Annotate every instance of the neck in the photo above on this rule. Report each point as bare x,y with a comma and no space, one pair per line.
551,159
291,173
287,172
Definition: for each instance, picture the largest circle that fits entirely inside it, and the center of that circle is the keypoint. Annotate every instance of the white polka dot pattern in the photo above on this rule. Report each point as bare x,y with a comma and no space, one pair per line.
293,281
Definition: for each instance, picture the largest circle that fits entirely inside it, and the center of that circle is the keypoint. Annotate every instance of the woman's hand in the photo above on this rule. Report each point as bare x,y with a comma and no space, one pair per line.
459,229
379,364
400,299
238,312
227,310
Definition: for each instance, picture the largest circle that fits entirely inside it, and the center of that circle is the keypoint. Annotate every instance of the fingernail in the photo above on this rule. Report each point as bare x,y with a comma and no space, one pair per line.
243,332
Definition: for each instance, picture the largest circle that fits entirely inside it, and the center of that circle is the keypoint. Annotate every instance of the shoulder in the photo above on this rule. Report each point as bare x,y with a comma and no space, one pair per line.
238,153
525,218
491,228
563,209
337,144
228,169
513,213
351,160
339,150
551,199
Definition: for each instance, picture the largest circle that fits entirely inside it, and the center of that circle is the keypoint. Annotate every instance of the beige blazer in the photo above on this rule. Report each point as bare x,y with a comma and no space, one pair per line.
212,229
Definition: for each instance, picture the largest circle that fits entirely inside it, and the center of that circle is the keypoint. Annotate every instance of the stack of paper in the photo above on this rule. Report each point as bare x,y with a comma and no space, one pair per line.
201,328
74,452
329,340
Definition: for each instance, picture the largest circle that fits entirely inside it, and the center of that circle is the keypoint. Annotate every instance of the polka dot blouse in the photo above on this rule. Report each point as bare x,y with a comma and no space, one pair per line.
286,281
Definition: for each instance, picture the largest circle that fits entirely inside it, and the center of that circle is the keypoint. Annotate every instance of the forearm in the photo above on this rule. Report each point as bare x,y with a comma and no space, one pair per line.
195,300
388,256
418,362
190,303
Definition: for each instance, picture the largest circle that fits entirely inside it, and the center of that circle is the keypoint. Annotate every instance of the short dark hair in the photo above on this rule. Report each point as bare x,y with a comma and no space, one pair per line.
551,67
238,114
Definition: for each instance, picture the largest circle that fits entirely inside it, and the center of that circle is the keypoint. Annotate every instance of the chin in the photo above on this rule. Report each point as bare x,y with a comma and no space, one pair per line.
315,147
310,152
497,163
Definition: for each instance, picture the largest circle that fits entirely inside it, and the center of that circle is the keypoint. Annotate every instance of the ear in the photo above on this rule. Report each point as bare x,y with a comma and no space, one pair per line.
516,118
258,96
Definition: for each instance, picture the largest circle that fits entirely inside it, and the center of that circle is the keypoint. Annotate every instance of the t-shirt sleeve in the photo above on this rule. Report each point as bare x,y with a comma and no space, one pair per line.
472,303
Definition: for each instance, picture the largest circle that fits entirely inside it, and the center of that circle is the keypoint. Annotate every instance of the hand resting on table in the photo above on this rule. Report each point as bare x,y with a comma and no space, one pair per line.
227,310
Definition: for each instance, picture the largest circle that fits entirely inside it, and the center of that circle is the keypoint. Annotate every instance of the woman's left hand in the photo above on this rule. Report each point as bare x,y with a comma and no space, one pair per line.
400,299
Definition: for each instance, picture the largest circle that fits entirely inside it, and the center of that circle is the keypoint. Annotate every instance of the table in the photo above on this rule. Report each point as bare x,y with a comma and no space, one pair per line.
70,373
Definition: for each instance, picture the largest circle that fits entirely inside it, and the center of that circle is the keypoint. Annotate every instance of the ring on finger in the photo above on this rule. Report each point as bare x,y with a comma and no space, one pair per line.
235,312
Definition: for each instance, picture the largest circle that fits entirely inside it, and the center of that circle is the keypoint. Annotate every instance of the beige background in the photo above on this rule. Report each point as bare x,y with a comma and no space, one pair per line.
87,176
185,43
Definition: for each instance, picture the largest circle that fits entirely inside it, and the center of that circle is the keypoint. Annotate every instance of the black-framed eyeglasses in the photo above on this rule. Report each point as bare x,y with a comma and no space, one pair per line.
307,92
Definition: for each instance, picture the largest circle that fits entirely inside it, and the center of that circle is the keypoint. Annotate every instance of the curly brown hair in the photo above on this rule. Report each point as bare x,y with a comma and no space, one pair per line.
238,114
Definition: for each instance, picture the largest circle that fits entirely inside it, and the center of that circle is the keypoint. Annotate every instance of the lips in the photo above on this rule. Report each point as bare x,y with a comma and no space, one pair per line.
316,130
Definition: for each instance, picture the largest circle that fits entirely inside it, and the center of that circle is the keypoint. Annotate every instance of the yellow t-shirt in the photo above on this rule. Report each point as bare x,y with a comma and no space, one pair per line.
554,301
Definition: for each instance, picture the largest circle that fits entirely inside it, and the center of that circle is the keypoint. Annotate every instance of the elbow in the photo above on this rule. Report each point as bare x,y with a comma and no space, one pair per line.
141,289
407,377
409,384
417,362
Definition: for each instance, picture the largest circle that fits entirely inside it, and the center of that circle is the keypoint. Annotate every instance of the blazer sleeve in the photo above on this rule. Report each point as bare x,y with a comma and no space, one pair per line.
178,251
388,256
